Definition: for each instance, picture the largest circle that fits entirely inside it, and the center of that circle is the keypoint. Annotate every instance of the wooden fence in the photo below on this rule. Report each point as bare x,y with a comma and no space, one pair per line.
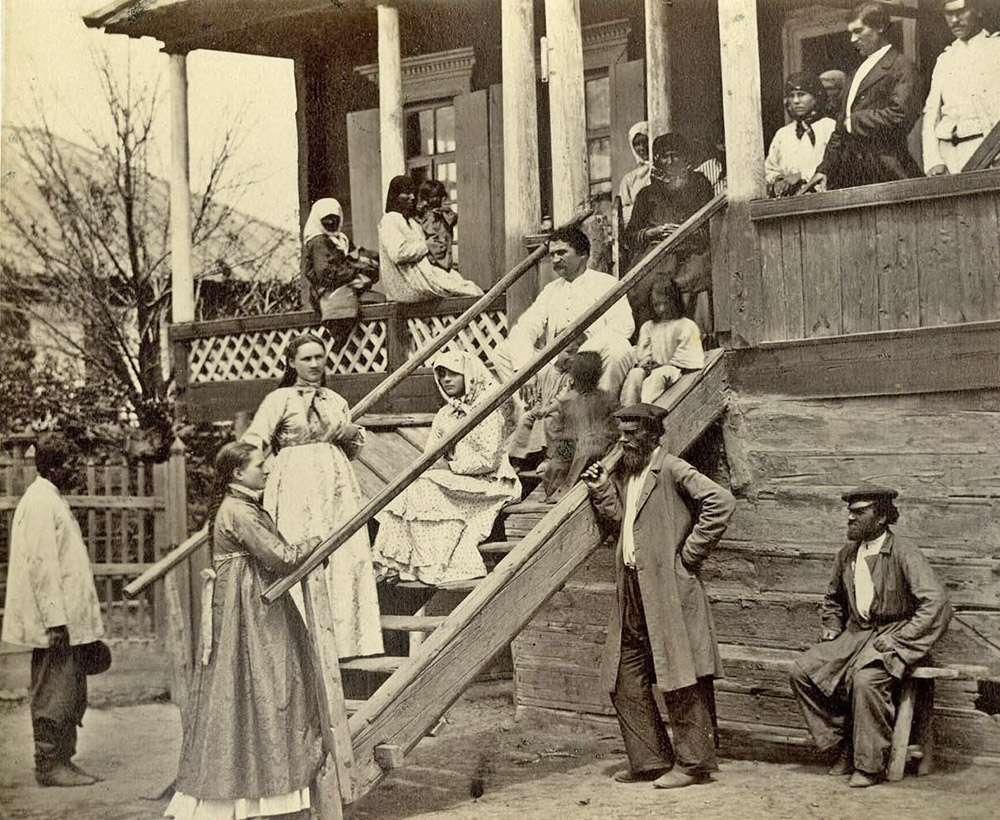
122,512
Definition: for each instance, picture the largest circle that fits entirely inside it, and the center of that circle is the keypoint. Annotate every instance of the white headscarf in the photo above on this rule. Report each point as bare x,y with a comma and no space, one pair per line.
321,209
641,127
478,380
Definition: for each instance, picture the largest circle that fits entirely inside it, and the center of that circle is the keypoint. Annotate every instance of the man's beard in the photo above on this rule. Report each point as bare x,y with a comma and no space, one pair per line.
634,461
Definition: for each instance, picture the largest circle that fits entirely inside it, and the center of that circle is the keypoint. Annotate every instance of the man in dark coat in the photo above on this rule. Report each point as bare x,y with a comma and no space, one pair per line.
667,517
882,613
674,193
882,101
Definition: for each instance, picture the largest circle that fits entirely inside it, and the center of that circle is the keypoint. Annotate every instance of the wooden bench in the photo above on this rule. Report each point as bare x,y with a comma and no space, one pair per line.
917,699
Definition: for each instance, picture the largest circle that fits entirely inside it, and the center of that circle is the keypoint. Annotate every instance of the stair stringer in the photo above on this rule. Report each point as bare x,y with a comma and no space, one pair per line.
412,700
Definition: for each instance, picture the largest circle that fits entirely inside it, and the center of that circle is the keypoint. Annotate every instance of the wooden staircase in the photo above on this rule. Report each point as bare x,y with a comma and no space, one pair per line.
546,543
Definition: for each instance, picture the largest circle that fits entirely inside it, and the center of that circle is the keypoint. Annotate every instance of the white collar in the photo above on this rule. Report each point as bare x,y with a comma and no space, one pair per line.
973,40
875,56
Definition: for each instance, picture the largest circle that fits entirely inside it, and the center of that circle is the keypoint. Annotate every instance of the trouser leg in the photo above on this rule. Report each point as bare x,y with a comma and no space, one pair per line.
646,741
874,713
823,715
694,737
58,701
632,388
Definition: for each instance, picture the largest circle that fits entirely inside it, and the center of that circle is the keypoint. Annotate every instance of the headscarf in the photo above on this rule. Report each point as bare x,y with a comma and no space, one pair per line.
478,380
641,127
809,83
398,185
321,209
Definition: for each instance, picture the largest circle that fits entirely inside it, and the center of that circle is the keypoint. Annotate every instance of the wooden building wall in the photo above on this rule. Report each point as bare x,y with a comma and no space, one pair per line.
789,461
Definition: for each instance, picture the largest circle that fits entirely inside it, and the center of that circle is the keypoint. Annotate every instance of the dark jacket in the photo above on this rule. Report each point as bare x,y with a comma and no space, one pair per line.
910,608
885,108
681,515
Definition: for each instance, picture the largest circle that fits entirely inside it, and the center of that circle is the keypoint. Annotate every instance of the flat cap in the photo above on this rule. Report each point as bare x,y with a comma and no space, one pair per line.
640,412
869,492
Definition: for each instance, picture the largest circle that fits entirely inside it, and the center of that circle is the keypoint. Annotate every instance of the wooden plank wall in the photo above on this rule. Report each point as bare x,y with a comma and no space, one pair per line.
788,462
885,267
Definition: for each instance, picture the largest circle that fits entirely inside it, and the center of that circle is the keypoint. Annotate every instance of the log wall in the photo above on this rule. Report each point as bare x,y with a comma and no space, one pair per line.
788,462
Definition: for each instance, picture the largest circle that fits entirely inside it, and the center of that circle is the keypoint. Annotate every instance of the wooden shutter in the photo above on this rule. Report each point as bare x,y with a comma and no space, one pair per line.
472,155
365,158
628,106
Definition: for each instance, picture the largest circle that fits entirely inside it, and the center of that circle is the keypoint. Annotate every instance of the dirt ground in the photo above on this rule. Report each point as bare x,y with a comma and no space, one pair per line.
518,770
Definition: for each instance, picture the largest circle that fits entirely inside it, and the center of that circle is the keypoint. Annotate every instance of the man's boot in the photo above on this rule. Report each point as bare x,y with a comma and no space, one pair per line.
62,775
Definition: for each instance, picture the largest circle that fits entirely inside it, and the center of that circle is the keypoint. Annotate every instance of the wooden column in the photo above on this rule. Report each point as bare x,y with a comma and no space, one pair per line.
658,88
390,96
522,210
182,274
568,115
744,165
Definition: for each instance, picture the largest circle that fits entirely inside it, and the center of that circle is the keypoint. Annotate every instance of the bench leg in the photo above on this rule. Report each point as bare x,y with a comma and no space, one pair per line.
925,726
901,731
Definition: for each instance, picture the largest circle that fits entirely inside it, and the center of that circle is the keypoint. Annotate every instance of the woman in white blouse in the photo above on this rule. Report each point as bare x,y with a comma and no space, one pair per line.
407,275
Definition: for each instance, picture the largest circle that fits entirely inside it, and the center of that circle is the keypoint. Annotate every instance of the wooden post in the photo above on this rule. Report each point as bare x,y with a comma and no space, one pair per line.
567,107
182,275
390,96
522,210
173,624
189,579
658,87
744,164
335,783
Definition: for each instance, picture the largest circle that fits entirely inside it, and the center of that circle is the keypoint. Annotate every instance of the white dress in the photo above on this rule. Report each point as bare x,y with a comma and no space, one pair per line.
312,491
431,532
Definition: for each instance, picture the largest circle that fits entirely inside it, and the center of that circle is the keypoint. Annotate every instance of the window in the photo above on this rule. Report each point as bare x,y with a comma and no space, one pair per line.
597,96
429,134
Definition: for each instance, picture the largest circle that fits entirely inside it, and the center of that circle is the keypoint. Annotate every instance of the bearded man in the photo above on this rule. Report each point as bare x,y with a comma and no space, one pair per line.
667,517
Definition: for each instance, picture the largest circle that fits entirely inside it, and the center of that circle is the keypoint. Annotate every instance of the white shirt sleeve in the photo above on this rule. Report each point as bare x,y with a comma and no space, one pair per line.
932,114
41,546
528,329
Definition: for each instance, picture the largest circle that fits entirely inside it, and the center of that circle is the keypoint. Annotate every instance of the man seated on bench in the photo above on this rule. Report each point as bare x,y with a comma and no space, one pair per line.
883,611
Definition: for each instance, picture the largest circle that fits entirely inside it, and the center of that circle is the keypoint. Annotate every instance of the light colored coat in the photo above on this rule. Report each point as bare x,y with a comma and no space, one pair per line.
49,582
681,513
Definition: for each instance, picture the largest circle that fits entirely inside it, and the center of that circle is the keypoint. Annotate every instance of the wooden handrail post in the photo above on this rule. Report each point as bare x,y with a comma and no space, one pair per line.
494,399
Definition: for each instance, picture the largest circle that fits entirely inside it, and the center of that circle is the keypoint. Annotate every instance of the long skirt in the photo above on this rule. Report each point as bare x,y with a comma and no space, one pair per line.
431,533
312,491
252,742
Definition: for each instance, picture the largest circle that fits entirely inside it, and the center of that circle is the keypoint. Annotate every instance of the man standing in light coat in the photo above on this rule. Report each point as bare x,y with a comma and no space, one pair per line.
52,606
964,101
668,517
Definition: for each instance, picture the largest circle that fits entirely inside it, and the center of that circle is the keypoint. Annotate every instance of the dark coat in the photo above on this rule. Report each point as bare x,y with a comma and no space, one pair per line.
885,108
910,608
681,515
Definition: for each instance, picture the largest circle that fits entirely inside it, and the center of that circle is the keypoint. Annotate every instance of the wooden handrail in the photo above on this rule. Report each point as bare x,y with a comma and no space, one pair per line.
167,563
493,400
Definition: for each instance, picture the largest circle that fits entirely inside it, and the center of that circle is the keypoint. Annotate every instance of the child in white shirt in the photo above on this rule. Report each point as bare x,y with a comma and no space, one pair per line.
669,346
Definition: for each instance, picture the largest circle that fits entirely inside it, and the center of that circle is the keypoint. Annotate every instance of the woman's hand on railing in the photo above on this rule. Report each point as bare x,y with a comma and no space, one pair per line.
817,182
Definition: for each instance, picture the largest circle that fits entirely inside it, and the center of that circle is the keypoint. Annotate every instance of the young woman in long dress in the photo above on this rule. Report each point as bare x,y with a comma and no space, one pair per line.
432,531
252,743
407,273
312,489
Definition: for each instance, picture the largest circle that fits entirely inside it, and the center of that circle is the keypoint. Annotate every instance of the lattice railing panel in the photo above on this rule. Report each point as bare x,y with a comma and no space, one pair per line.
481,337
260,354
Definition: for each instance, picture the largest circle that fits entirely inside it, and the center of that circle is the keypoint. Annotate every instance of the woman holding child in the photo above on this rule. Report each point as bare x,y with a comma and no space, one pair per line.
408,274
432,531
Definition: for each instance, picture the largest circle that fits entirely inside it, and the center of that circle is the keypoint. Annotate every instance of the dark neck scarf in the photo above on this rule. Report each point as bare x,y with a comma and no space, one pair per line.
804,126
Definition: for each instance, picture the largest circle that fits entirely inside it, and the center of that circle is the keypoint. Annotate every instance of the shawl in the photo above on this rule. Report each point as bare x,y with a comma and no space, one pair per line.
478,380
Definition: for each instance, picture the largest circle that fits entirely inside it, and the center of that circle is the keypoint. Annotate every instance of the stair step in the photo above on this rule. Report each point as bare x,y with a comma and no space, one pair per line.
381,663
453,586
497,547
353,705
527,507
412,623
